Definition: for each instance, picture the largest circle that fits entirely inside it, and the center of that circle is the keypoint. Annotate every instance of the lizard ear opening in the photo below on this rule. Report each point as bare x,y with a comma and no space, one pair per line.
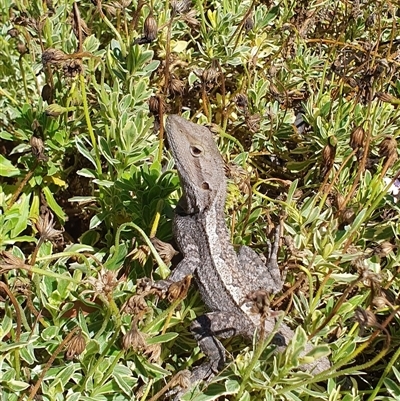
196,151
205,185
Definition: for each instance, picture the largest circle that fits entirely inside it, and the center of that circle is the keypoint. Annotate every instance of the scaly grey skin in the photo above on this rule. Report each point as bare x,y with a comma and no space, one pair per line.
225,278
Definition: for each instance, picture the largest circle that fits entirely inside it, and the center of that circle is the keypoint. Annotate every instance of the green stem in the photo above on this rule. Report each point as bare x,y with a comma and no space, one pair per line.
21,67
257,354
88,122
116,33
388,368
162,267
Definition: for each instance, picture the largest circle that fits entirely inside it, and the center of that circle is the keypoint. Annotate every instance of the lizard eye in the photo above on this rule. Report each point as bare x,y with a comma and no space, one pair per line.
196,151
205,185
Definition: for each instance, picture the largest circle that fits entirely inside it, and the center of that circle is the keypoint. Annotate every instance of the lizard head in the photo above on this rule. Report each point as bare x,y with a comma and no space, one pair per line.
199,164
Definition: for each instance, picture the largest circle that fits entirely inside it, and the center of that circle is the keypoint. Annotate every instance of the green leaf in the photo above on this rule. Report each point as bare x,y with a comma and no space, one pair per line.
7,169
23,211
16,385
392,387
84,151
163,338
54,206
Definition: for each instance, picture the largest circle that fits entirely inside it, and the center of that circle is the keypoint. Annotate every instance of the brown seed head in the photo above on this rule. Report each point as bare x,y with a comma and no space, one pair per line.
21,48
176,86
339,200
76,346
210,75
253,122
179,289
384,249
141,254
134,339
328,155
150,28
365,318
249,23
153,352
241,101
387,98
136,305
157,105
13,32
37,148
181,6
166,250
388,147
72,68
11,260
357,137
47,93
348,216
181,379
380,302
190,18
53,57
45,228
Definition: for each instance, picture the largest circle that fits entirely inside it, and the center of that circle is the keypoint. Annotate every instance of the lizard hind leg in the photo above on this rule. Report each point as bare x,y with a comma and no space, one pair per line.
206,329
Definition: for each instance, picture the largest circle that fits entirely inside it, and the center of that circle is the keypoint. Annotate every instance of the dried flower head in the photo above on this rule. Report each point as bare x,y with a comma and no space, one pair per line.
241,101
13,32
210,75
328,155
136,305
105,283
369,278
150,28
259,302
157,105
72,68
76,346
179,289
365,318
253,122
380,302
74,19
357,137
47,93
21,48
176,86
153,352
348,216
388,147
339,200
53,57
190,18
37,148
141,254
181,379
166,250
45,228
10,260
134,339
383,249
387,98
36,127
248,23
181,6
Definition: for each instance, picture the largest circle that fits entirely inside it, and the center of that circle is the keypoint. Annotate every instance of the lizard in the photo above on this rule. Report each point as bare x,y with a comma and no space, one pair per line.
229,282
